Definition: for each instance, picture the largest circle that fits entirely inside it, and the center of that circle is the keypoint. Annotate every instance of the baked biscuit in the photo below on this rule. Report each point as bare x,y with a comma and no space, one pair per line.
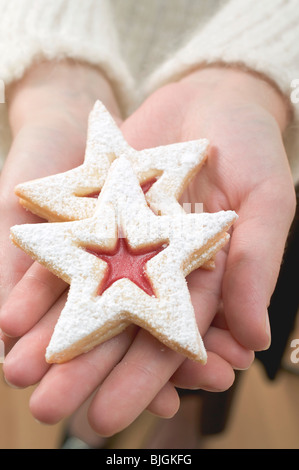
164,171
95,255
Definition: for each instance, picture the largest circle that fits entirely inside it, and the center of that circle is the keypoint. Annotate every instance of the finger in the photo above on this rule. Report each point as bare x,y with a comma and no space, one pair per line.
14,263
166,403
220,345
66,386
148,364
223,352
150,377
6,343
37,150
219,320
216,375
221,342
205,289
253,265
29,300
25,364
139,377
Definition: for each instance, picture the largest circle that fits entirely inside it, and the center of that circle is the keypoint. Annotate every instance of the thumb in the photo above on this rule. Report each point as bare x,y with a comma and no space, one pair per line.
253,263
37,150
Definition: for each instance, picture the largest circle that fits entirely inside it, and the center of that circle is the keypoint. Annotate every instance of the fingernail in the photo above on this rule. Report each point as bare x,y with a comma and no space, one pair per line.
11,385
268,329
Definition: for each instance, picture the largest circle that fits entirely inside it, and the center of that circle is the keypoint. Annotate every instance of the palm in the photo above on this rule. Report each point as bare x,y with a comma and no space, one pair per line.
246,171
234,177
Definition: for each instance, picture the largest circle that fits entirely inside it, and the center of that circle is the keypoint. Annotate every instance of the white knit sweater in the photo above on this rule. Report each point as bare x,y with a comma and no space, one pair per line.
143,44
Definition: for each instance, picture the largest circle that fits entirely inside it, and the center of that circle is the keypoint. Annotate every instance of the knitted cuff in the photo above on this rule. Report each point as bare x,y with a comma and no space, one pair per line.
260,36
34,30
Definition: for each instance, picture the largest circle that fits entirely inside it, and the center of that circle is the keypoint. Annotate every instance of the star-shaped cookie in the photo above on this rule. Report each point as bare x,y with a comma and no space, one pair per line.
94,256
71,195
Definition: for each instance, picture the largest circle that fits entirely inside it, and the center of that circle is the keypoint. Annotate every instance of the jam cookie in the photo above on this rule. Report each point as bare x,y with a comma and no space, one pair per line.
163,172
125,265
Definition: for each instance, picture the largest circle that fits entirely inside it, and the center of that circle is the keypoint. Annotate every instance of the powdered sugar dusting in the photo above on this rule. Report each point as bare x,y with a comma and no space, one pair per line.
122,208
61,197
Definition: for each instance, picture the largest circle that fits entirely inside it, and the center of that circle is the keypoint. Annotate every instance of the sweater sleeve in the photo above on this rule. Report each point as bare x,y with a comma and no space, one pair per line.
258,36
33,30
261,36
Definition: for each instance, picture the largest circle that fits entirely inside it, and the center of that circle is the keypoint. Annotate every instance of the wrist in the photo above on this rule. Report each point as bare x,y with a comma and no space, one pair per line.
229,86
49,86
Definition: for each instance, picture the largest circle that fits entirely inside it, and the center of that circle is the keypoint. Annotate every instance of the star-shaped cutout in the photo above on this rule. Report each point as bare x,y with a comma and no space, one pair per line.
90,317
125,263
66,196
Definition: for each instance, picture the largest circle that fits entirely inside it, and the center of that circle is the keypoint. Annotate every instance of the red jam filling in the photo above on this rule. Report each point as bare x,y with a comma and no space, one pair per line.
145,188
123,262
94,195
147,185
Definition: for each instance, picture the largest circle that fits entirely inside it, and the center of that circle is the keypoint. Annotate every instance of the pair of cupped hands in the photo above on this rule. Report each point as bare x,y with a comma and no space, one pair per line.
247,170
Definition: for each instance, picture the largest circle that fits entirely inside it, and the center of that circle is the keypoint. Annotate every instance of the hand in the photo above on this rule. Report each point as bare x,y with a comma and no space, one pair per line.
247,170
144,363
48,113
